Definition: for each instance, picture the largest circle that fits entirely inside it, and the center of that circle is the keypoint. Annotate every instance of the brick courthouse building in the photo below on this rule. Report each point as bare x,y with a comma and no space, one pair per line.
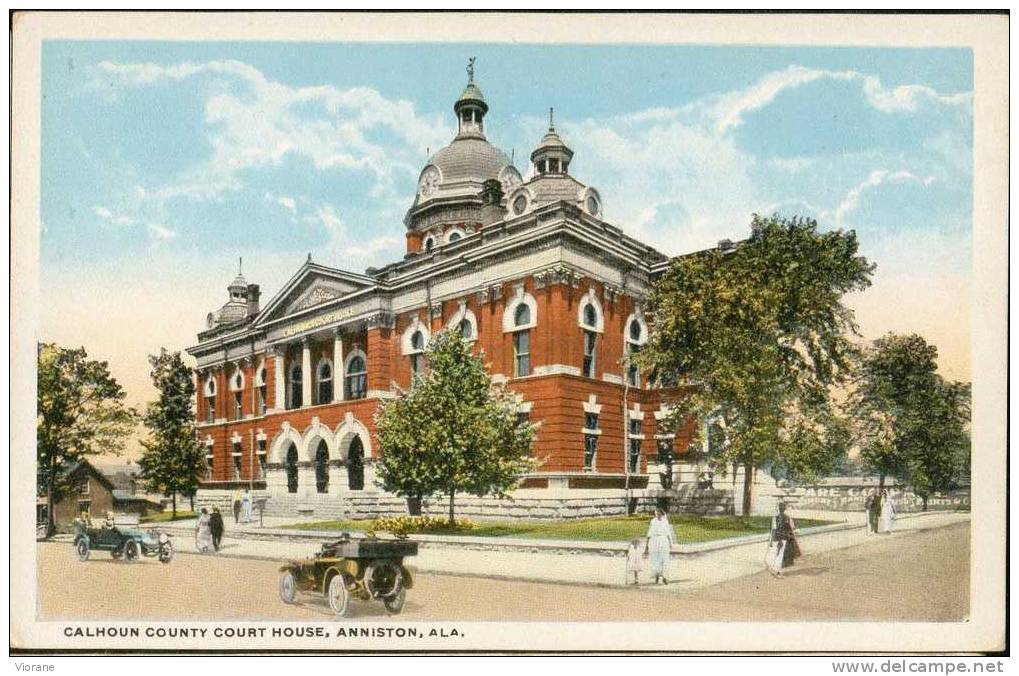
527,270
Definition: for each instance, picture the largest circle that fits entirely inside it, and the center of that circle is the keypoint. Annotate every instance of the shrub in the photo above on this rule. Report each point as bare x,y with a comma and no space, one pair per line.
402,525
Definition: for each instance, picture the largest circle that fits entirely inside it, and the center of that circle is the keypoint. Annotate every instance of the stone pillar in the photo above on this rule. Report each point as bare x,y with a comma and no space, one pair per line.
337,366
337,478
279,396
306,376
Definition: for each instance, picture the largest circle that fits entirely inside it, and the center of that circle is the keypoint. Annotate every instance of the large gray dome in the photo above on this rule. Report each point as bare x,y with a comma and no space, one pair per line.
470,159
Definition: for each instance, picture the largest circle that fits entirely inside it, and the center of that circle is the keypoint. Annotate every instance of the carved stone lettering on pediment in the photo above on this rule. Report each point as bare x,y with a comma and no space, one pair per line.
319,294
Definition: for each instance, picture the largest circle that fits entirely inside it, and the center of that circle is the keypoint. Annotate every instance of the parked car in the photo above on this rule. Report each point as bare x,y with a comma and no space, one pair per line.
364,569
121,537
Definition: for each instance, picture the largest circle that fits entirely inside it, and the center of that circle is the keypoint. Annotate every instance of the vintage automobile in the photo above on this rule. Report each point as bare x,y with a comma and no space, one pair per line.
365,569
121,537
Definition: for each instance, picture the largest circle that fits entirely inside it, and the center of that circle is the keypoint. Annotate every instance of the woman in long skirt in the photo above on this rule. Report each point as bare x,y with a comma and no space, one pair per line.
887,513
660,538
203,532
783,530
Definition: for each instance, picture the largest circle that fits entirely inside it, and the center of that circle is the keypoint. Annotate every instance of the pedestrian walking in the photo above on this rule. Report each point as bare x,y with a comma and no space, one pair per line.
237,506
660,538
873,506
783,532
246,505
636,554
887,513
203,533
216,527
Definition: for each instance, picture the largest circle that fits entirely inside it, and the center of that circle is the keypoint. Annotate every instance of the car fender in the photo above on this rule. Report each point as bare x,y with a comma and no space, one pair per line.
82,536
409,573
346,567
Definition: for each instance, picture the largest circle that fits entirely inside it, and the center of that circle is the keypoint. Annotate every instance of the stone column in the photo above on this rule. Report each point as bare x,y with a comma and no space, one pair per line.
280,389
338,366
306,376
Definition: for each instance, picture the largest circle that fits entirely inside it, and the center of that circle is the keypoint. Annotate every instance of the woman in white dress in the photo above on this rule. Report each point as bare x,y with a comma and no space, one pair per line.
203,532
660,538
887,513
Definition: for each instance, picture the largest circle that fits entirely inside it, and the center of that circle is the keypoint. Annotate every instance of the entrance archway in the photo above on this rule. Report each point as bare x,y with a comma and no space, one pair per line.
291,468
322,467
355,465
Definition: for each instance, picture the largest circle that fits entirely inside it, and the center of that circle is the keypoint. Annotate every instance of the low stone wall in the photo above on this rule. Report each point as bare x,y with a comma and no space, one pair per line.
850,495
370,504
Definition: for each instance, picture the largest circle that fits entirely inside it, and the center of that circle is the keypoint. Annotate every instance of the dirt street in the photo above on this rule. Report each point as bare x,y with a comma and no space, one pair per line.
921,575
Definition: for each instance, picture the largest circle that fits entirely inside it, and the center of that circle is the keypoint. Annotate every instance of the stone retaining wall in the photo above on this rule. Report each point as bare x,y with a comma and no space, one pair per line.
849,494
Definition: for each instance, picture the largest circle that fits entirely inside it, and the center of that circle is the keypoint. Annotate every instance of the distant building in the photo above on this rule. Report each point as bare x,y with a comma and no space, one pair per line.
527,270
90,491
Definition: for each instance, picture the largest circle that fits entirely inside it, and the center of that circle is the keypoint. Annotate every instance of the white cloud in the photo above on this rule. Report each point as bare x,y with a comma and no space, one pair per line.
103,213
254,122
727,110
110,217
287,203
160,233
876,178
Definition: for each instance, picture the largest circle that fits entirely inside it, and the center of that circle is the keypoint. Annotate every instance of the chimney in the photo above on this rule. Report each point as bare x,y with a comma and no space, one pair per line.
253,294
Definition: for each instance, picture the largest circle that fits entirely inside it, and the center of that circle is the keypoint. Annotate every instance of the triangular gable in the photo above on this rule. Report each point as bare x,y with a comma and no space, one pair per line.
312,285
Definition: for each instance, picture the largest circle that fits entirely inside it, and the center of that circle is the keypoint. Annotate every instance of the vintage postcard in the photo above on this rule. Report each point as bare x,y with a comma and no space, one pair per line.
523,332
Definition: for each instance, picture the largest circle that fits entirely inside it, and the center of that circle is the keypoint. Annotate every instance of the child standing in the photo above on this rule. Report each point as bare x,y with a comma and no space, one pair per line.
635,554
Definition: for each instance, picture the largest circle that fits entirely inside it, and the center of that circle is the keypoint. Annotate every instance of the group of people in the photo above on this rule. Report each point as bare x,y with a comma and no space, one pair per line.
209,530
880,512
654,552
210,527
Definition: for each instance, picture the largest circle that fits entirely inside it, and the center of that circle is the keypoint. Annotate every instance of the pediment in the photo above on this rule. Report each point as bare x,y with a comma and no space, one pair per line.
313,285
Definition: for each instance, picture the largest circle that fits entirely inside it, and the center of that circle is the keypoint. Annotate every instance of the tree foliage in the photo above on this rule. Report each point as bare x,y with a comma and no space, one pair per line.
453,431
173,459
760,335
81,412
911,423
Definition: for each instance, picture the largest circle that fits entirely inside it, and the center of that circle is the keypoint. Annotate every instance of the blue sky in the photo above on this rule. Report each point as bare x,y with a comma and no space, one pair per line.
165,162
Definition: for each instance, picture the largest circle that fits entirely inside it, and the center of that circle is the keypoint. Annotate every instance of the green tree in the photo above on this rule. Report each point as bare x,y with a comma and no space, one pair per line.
81,412
911,423
173,460
759,336
453,431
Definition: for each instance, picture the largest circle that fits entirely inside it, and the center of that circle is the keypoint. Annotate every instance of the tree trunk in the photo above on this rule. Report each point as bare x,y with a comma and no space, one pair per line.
192,499
881,483
748,487
414,505
452,492
51,525
924,498
173,496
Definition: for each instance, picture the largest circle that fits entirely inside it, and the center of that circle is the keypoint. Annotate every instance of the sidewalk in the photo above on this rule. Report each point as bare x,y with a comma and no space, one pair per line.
693,566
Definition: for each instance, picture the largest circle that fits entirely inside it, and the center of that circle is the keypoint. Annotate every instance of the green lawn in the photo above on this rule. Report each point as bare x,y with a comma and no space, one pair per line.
608,529
168,516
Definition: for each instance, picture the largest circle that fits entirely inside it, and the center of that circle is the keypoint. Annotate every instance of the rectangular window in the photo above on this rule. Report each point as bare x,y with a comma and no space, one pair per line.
237,405
85,507
83,488
590,343
261,458
521,354
590,421
635,426
523,417
632,372
325,391
357,386
208,467
210,409
590,450
261,400
237,462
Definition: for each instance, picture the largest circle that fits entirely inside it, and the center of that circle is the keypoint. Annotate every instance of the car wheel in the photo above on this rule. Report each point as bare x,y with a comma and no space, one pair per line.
165,552
394,603
81,549
338,596
116,553
131,550
288,587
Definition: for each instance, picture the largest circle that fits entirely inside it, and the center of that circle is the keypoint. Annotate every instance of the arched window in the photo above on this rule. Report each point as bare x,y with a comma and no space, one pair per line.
322,468
356,378
454,236
522,342
429,243
210,399
296,393
635,337
417,346
466,329
590,340
325,382
590,316
262,389
291,467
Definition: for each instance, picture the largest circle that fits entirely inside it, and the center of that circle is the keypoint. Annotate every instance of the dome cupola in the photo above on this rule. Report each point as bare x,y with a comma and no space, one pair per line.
470,108
552,156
